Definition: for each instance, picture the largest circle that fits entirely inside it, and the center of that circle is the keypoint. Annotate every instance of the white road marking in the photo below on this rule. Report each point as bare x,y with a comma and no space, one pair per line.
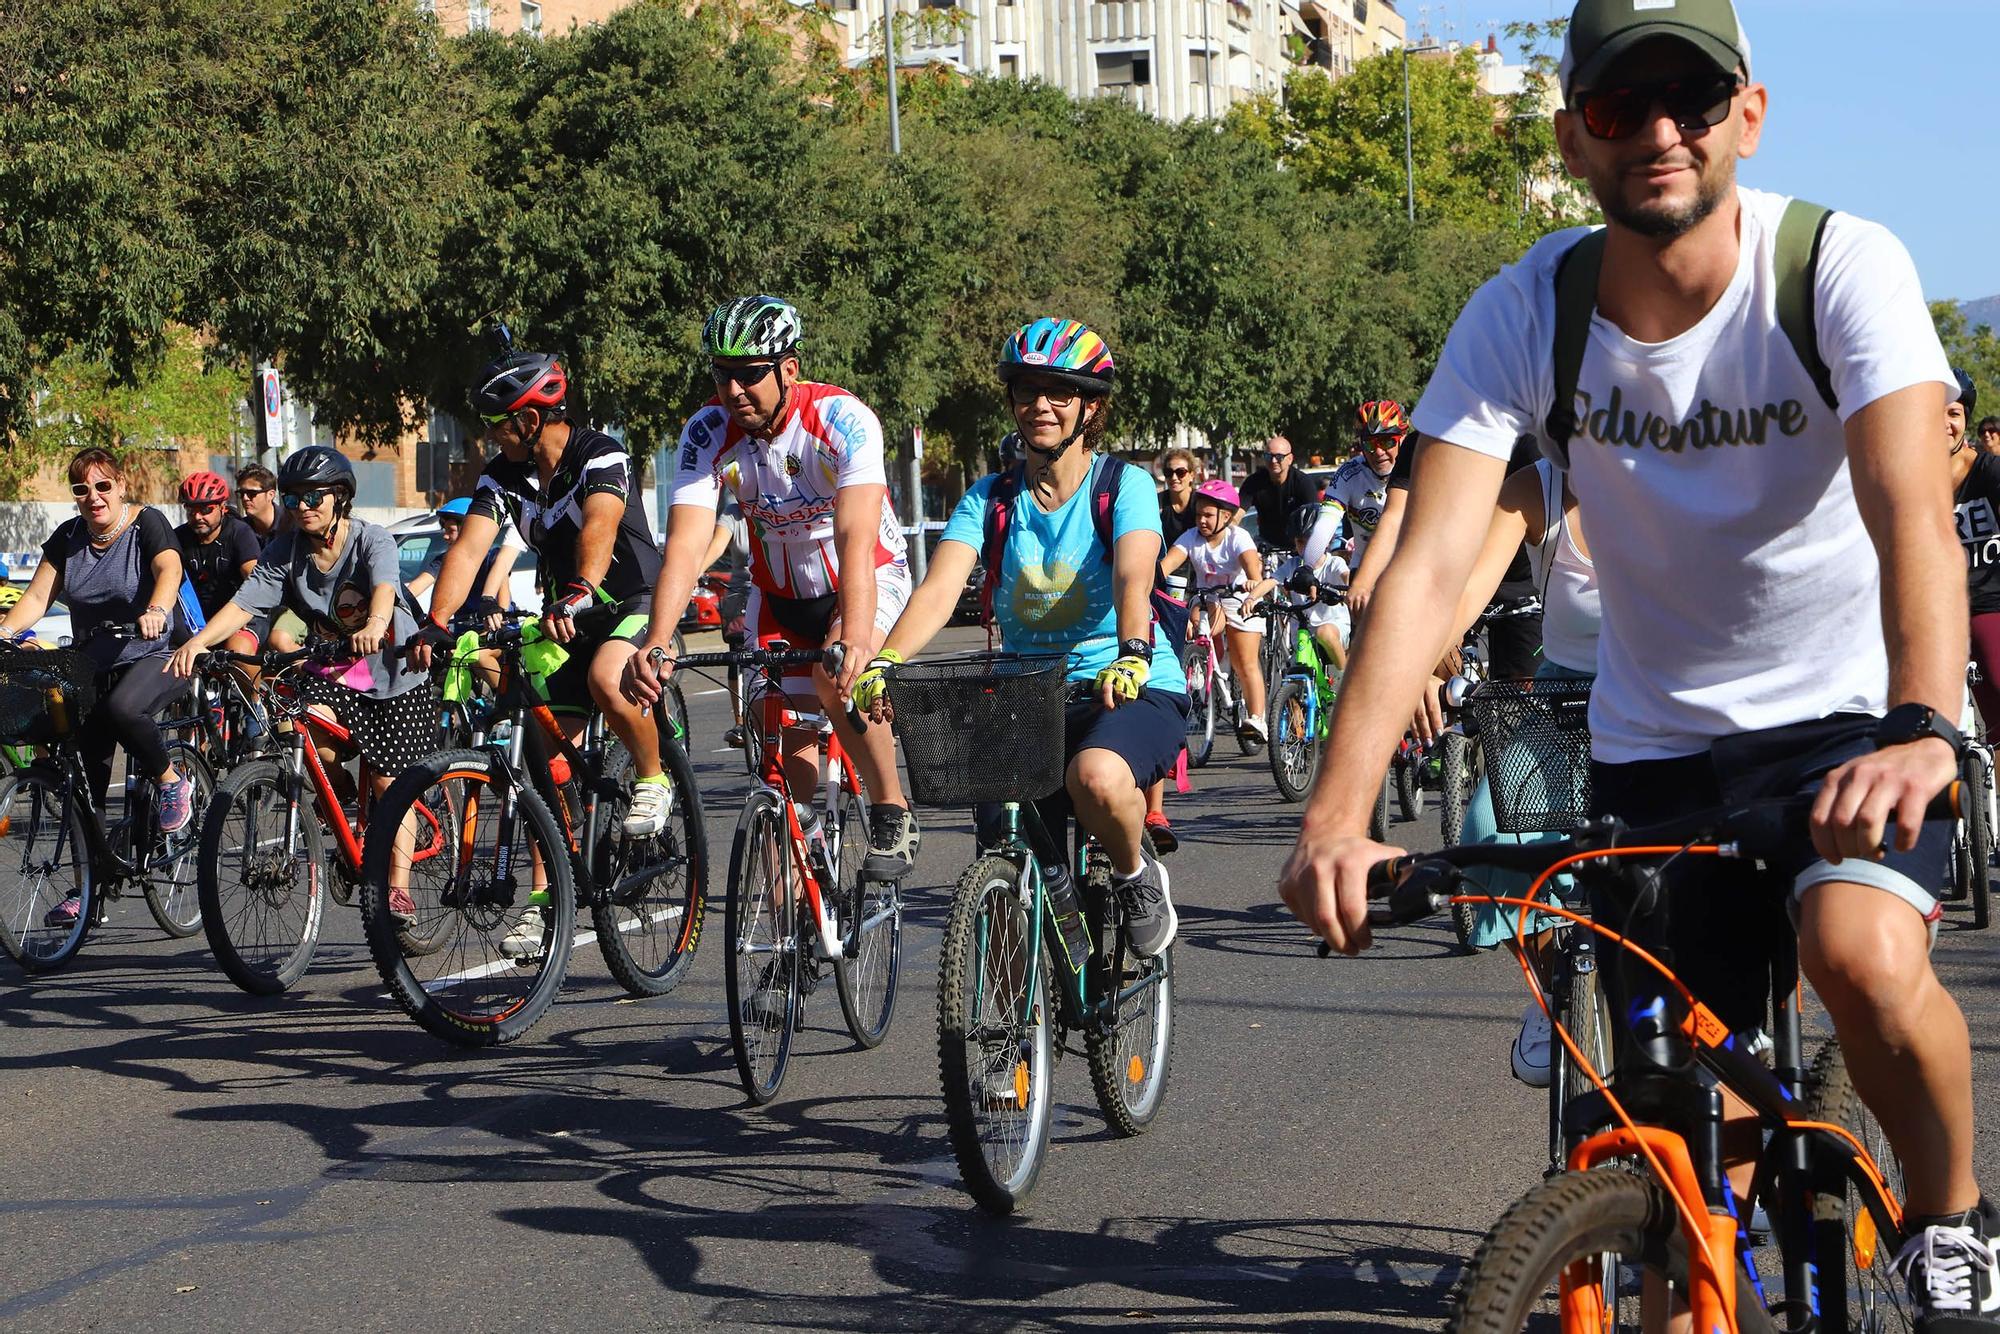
436,985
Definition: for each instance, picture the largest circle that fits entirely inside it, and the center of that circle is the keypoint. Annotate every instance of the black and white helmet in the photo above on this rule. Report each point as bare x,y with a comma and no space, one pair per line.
752,326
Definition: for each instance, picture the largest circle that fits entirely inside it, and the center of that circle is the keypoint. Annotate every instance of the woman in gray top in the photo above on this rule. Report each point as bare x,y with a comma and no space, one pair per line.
115,564
339,575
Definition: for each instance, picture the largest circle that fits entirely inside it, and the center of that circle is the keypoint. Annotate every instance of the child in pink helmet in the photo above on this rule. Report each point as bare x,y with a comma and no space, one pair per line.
1222,556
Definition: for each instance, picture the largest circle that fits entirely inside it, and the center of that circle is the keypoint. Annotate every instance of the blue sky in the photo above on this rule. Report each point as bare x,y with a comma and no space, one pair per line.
1886,108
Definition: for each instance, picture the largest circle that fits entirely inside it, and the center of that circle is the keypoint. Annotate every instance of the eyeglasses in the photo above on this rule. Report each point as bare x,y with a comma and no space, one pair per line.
1058,395
83,489
249,495
1693,104
310,500
1178,473
1276,458
203,507
496,418
747,376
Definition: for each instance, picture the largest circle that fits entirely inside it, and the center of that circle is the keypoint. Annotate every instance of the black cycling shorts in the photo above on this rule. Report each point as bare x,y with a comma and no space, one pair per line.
568,686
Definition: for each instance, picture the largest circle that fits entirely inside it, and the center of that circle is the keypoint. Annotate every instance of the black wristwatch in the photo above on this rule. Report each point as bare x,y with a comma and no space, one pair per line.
1135,648
1914,722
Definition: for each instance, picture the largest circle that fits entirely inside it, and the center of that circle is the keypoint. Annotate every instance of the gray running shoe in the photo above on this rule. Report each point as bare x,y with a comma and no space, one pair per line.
1150,920
893,840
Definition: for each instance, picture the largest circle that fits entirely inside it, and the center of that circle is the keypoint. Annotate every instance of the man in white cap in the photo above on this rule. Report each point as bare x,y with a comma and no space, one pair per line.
1745,392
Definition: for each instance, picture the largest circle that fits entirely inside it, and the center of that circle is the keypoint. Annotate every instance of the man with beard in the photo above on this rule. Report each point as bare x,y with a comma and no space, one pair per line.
1784,607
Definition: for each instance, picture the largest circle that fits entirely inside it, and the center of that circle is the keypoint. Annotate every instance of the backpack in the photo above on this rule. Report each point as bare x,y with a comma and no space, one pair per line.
1795,259
1170,614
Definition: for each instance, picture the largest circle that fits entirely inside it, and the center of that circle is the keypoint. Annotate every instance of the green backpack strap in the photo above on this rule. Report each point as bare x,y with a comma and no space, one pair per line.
1576,302
1796,261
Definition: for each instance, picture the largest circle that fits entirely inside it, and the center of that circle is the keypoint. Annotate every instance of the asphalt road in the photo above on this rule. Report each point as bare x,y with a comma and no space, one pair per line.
1337,1136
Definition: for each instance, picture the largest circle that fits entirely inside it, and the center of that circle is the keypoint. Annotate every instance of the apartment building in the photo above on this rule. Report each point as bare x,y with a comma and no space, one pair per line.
1176,59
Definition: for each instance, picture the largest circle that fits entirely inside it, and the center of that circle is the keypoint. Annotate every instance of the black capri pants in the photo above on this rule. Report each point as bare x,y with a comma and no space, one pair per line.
129,699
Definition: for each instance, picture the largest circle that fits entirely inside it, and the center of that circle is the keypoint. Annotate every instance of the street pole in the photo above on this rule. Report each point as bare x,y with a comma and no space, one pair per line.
1409,158
913,478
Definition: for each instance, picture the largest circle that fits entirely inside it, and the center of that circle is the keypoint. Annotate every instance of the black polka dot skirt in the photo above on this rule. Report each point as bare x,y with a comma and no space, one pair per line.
392,733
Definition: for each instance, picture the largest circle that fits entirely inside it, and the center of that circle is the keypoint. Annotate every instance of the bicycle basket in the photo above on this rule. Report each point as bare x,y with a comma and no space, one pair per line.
981,727
1536,739
44,694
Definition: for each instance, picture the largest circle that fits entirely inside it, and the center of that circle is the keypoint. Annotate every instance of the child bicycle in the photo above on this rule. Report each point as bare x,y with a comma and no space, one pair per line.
1302,703
1034,949
1212,692
1644,1208
55,844
798,903
264,868
538,816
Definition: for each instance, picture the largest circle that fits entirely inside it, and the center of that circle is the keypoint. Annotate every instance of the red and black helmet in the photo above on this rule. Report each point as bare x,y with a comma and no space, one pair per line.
1384,417
520,380
202,488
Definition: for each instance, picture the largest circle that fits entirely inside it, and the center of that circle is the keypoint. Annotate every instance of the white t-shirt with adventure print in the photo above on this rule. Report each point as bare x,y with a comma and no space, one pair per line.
1740,590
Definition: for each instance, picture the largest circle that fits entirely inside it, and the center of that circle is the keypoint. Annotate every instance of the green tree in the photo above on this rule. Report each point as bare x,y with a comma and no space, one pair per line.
1975,349
1475,157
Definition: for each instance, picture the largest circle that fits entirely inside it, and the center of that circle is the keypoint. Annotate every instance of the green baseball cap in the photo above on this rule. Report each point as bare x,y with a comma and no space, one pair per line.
1602,30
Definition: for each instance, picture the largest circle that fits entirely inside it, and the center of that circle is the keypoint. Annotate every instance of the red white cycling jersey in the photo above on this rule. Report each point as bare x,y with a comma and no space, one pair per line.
786,485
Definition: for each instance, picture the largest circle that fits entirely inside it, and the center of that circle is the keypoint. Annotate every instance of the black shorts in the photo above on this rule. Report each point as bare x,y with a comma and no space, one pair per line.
1147,733
1727,919
567,688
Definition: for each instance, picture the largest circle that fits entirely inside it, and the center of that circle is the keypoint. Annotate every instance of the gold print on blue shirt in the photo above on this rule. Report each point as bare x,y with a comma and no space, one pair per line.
1049,599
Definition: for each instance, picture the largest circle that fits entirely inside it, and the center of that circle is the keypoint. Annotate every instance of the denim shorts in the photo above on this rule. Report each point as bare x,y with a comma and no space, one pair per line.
1726,918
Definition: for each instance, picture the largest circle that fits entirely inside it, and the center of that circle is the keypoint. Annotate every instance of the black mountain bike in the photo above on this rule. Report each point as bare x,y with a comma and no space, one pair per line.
56,844
542,824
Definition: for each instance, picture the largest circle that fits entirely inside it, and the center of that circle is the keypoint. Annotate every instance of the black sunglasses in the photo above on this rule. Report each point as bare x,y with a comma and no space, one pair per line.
1058,395
1179,472
249,495
307,499
83,489
1692,103
747,376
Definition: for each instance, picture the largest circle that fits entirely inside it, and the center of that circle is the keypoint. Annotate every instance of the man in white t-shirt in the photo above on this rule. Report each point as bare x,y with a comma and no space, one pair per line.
1755,549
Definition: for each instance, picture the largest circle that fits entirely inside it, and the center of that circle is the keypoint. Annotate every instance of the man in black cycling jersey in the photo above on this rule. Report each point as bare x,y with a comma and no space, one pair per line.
1783,600
570,493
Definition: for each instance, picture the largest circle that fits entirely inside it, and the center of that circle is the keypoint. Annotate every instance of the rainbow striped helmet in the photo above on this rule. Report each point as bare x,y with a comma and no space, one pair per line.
1062,350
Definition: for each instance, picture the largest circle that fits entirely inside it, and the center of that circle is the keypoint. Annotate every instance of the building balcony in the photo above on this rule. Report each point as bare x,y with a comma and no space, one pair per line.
1119,21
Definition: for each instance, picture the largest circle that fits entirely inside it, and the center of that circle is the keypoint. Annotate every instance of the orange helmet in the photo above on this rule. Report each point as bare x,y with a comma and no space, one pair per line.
202,488
1384,417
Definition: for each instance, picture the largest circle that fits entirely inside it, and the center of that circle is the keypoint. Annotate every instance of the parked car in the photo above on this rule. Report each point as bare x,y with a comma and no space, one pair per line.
421,537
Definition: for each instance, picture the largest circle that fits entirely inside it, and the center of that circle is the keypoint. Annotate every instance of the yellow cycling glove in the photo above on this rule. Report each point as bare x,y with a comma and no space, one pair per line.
1127,677
868,686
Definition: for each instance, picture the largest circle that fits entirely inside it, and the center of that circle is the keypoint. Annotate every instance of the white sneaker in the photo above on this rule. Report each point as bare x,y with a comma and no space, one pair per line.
647,815
1531,1048
525,940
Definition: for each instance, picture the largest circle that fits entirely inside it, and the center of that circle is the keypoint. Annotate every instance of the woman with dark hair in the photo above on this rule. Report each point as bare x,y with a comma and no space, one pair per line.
115,564
1975,487
1180,474
339,575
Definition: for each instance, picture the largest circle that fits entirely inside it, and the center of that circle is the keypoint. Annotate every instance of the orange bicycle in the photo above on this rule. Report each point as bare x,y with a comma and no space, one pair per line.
1644,1213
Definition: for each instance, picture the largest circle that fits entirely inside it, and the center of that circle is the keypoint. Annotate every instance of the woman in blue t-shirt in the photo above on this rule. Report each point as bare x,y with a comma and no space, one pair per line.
1057,591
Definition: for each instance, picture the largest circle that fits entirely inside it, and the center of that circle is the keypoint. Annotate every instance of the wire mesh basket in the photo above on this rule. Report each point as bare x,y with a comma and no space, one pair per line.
1535,736
44,694
981,726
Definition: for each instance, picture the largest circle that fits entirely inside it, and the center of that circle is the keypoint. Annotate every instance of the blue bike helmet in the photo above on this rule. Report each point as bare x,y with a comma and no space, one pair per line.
459,506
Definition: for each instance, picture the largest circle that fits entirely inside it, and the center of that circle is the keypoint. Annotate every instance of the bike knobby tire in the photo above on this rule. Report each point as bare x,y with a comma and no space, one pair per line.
649,896
1409,785
173,893
495,948
1201,707
263,890
870,914
996,1056
1378,823
1295,750
44,860
1875,1292
1977,874
1458,775
763,972
1581,1217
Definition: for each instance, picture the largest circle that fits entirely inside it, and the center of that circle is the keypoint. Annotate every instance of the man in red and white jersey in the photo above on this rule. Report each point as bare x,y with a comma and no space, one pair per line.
827,562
